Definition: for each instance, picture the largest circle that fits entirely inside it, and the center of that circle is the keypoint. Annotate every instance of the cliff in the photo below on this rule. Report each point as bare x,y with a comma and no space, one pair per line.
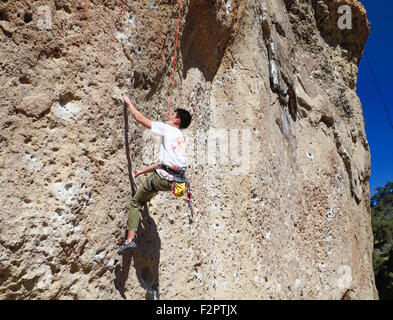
271,84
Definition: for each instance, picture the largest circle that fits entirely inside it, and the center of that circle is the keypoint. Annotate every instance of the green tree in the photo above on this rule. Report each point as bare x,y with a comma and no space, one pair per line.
382,224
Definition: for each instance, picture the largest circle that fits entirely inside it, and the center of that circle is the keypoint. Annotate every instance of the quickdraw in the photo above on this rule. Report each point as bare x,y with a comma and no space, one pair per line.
194,213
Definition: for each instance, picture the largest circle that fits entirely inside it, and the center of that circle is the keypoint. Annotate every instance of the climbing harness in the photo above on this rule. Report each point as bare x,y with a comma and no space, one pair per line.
181,186
174,60
178,174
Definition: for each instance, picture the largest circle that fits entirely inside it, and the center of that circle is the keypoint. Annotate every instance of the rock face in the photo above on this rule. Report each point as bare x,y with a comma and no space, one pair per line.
283,211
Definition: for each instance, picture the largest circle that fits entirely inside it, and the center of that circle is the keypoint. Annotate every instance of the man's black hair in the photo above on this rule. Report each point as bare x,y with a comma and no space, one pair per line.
185,118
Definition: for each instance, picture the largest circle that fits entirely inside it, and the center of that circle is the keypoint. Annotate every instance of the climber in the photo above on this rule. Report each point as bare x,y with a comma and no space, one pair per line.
172,166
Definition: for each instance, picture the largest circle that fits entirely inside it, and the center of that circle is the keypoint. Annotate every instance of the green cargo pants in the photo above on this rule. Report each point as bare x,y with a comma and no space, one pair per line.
144,193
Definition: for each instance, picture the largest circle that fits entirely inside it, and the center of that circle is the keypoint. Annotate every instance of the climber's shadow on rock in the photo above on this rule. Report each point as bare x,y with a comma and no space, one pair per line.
146,260
147,256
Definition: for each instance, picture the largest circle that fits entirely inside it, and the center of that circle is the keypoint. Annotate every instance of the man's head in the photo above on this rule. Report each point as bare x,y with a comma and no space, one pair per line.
181,117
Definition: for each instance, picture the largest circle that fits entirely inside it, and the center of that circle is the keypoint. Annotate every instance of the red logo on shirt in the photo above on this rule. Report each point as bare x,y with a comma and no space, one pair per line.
180,144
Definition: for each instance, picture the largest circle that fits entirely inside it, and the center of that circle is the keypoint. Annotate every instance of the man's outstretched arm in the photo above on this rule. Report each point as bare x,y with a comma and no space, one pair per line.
146,170
136,114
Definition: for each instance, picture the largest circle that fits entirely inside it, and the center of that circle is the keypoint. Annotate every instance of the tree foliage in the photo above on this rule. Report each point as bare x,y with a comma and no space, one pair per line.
382,224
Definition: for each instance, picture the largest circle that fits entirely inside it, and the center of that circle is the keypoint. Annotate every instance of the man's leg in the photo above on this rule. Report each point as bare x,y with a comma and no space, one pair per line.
144,193
161,184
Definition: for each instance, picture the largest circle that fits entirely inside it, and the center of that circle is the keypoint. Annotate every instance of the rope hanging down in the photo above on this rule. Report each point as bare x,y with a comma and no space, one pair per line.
379,90
174,61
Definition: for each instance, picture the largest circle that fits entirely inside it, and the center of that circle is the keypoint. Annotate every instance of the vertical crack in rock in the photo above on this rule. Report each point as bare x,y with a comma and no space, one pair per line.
279,80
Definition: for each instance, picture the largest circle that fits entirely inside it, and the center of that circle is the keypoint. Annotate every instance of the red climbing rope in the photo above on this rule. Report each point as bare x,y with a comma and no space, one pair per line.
174,60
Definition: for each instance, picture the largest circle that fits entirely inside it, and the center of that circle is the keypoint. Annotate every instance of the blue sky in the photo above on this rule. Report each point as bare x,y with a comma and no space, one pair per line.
379,50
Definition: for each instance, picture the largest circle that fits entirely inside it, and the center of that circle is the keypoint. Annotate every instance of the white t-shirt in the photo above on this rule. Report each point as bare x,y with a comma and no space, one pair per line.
172,149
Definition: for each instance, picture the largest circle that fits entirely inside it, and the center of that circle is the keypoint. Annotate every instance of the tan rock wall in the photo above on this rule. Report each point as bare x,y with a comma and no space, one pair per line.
289,220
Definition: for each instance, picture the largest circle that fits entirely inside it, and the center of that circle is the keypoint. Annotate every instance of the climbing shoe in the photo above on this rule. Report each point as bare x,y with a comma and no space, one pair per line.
125,246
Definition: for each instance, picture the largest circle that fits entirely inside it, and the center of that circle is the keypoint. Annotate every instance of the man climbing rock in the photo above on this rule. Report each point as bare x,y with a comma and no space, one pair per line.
172,166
